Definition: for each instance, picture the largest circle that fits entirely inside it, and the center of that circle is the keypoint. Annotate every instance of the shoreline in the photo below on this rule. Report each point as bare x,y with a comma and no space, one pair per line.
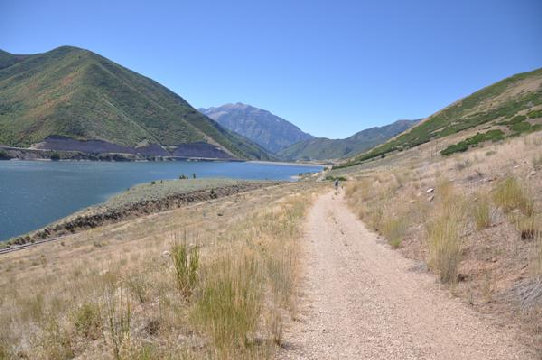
108,212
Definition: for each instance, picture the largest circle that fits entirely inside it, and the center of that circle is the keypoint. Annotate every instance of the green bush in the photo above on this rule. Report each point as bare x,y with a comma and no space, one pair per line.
521,127
535,114
462,146
333,178
88,321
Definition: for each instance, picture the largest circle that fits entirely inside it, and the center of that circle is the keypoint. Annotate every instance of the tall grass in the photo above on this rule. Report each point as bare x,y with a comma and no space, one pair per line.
186,261
481,212
511,195
443,233
394,230
229,306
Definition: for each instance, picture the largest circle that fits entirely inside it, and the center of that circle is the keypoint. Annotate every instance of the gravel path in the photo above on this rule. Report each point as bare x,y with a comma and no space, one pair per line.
362,300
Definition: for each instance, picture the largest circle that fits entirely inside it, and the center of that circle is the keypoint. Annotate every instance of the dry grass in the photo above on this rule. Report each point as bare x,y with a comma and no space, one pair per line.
481,211
444,233
480,231
511,195
141,295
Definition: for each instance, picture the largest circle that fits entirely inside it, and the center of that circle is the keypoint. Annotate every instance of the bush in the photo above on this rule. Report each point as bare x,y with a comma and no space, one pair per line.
462,146
55,156
521,127
535,114
88,321
333,178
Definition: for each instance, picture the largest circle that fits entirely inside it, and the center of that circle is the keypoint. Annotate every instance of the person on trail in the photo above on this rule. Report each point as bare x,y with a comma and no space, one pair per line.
336,184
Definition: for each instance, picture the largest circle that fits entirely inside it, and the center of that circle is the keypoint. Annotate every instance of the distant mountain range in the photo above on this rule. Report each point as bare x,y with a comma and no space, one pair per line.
323,148
288,142
261,126
69,96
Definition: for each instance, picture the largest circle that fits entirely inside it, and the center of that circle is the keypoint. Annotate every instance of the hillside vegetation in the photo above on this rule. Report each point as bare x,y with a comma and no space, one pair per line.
75,93
512,105
261,126
325,149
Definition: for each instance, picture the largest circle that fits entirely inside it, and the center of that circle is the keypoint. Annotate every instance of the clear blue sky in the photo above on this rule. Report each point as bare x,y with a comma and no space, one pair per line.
331,67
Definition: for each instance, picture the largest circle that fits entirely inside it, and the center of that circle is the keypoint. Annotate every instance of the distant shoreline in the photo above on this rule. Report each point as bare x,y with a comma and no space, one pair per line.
286,163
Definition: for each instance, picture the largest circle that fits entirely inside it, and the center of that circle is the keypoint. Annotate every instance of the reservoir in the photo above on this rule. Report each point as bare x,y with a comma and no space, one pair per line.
36,193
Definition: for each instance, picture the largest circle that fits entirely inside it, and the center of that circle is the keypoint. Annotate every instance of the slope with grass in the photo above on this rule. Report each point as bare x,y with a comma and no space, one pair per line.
474,220
208,280
74,93
512,105
325,149
258,125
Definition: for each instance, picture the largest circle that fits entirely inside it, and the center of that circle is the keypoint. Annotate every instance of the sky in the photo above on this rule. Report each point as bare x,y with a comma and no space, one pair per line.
330,67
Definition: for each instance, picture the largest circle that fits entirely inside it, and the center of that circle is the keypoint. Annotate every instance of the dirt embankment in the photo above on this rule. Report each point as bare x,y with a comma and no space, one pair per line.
99,216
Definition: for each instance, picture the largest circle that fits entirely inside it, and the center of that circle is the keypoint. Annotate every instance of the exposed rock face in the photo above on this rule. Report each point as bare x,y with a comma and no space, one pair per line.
261,126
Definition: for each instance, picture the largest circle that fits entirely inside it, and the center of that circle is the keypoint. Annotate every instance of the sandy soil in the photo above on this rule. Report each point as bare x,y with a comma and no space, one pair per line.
362,300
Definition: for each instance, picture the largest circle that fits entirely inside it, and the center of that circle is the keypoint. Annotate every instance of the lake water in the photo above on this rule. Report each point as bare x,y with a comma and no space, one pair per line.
35,193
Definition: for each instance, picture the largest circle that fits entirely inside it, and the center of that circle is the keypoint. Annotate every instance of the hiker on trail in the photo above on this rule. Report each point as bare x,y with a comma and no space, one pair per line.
336,184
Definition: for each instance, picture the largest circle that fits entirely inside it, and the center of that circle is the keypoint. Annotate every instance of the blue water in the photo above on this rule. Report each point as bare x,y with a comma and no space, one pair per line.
34,193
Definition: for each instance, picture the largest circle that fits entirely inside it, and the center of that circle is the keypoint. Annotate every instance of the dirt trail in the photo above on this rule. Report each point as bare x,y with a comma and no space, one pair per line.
362,300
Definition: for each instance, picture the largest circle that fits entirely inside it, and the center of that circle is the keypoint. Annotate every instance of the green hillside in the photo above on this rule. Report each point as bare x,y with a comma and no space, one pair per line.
324,148
511,106
75,93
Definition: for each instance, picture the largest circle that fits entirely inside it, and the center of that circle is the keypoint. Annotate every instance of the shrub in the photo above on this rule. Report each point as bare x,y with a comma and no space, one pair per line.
510,195
333,178
521,127
186,262
535,114
55,156
88,321
462,146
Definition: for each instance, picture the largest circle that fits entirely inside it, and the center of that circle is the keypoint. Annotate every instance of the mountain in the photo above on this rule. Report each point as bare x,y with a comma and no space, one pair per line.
260,126
324,148
507,108
74,94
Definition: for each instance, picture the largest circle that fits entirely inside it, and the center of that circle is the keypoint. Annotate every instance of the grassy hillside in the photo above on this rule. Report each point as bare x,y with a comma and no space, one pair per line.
511,105
324,148
75,93
260,126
